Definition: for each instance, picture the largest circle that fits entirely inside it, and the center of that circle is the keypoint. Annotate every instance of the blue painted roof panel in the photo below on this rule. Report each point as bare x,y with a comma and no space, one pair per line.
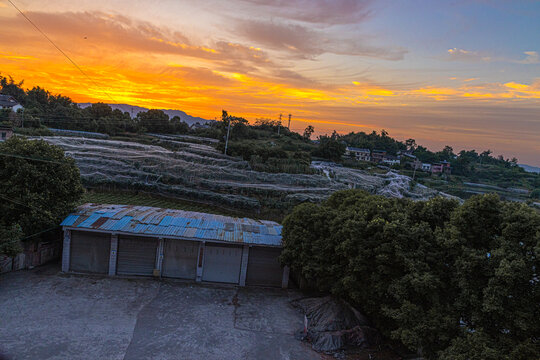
178,223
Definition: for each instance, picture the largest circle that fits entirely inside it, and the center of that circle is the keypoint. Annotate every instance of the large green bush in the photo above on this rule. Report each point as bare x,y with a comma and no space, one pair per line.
450,281
40,186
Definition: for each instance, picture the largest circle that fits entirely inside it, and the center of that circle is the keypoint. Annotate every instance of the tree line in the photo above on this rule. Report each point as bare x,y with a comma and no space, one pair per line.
41,108
448,281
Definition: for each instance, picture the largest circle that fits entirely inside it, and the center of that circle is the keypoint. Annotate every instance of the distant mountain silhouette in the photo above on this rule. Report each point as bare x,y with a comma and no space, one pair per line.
133,110
529,168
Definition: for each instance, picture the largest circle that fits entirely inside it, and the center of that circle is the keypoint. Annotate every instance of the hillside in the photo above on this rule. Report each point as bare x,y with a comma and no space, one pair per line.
530,169
199,172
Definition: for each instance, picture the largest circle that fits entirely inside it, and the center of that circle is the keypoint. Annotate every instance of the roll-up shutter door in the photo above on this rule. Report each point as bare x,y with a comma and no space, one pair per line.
264,268
136,255
180,259
90,252
222,263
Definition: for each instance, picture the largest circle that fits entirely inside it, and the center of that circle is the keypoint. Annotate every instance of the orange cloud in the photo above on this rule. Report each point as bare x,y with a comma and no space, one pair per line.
139,63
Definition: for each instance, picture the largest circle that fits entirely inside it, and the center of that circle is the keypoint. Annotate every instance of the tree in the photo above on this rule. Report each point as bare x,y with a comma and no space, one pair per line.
99,110
154,121
448,281
330,147
10,240
411,144
40,185
178,126
10,87
308,132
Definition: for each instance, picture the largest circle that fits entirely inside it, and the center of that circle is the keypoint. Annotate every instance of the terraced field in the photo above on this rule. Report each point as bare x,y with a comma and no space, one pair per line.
196,171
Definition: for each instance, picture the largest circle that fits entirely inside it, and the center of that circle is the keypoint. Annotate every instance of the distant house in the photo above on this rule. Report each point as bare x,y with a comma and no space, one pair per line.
391,160
426,167
404,156
5,132
441,167
358,153
378,155
9,102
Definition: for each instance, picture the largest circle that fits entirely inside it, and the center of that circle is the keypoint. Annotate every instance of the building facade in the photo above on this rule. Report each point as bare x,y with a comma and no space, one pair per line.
9,102
5,132
391,160
378,155
358,153
440,168
144,241
426,167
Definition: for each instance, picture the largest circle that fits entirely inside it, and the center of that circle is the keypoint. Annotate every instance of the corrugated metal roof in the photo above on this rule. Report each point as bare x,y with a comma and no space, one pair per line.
174,223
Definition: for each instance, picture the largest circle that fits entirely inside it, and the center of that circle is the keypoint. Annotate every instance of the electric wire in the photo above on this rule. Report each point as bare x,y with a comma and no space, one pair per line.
61,51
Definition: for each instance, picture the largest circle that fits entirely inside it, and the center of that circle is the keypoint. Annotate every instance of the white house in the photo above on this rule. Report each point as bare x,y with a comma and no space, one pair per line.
391,160
9,102
426,167
358,154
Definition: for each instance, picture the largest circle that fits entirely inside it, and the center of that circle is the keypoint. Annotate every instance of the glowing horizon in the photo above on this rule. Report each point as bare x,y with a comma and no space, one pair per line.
444,75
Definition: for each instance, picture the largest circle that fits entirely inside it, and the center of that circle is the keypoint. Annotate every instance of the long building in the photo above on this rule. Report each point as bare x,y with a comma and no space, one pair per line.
146,241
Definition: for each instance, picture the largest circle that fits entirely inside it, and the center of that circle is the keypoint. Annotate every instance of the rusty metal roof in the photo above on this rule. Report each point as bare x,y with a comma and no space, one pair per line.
151,221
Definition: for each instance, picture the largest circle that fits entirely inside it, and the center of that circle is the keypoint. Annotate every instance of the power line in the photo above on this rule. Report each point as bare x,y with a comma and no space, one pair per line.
32,158
30,207
19,203
61,51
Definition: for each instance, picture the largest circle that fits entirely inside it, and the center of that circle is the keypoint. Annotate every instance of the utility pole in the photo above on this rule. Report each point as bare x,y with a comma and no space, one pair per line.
279,124
228,131
289,126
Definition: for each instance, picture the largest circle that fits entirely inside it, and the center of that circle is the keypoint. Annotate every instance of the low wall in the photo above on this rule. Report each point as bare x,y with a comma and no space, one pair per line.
34,254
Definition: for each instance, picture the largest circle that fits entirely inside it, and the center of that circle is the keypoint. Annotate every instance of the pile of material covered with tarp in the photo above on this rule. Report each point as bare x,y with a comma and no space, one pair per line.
333,325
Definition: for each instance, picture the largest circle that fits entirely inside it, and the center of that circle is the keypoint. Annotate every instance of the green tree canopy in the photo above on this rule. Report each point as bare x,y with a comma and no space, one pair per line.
40,185
154,121
450,281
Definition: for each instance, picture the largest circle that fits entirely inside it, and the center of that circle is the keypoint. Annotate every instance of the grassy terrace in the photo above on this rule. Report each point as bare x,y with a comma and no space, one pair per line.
145,199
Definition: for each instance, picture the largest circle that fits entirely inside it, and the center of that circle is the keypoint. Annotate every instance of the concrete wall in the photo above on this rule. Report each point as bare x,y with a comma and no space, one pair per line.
33,255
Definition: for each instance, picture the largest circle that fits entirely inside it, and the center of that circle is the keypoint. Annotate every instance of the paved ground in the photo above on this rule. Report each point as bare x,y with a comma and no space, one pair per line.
47,315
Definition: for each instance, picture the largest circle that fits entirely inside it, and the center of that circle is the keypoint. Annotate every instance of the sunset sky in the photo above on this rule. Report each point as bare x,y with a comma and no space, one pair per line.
463,73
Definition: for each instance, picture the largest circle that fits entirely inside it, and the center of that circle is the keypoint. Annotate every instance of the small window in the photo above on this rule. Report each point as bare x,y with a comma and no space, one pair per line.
3,135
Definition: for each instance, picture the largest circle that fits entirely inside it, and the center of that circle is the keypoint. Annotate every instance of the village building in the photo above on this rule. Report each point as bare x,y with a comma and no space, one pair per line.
391,160
146,241
378,155
406,157
9,102
426,167
441,167
5,132
358,153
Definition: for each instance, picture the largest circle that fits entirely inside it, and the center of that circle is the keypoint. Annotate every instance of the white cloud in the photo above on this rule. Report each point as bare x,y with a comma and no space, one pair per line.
467,55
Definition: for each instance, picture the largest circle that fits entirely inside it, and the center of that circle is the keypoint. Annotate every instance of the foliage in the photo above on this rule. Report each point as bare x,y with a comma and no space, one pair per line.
330,147
58,111
40,185
374,141
10,240
449,281
308,132
154,200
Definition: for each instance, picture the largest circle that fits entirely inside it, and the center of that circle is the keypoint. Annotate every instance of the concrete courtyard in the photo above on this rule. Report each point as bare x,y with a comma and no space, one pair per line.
48,315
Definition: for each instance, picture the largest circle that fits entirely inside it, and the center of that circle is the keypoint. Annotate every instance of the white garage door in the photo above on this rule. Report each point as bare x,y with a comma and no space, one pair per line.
222,263
180,259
